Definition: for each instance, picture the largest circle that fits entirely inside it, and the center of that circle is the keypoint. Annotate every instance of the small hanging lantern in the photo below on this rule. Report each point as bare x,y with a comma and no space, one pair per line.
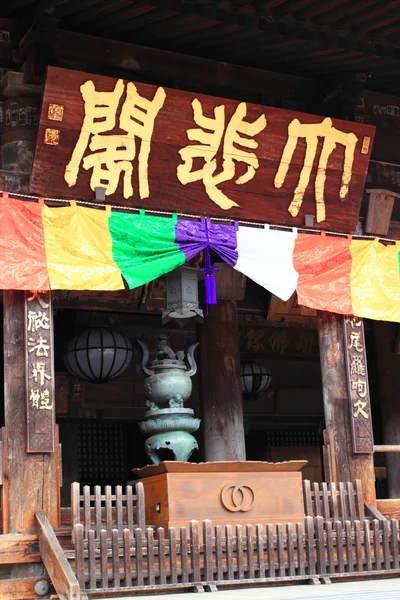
98,354
182,296
254,379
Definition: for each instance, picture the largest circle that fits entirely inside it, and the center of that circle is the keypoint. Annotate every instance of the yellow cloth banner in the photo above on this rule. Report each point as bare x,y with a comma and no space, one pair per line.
375,280
79,249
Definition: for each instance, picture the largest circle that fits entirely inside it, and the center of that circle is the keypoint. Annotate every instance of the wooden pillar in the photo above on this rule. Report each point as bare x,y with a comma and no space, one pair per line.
338,407
221,397
388,367
32,479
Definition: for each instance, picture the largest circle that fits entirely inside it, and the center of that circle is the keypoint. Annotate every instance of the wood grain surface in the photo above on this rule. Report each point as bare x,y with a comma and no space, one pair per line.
258,199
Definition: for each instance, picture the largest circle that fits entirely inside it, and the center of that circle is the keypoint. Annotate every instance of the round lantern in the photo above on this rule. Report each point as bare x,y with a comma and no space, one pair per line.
98,354
254,378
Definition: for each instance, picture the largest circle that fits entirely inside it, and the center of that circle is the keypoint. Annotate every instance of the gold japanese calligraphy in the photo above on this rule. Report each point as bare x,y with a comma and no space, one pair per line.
39,375
210,135
310,133
112,155
358,388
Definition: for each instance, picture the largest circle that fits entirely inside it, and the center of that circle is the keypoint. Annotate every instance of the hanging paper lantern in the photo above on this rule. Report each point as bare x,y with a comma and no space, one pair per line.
254,378
98,354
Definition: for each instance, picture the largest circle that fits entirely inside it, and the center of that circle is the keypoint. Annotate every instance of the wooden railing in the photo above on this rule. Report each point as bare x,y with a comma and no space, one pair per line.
265,553
57,566
99,510
334,502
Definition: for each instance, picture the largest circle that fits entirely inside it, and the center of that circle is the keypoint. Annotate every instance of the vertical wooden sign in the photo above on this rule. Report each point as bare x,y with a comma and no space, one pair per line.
39,372
357,383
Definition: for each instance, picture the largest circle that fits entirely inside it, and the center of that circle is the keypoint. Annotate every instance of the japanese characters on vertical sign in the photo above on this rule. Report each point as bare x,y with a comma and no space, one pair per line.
166,149
357,378
39,371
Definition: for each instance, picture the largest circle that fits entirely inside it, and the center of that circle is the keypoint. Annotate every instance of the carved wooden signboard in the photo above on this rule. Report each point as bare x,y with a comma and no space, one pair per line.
39,372
165,149
357,378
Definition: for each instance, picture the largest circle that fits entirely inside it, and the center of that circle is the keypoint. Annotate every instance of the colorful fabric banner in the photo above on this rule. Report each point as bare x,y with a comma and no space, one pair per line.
79,249
266,256
76,248
22,253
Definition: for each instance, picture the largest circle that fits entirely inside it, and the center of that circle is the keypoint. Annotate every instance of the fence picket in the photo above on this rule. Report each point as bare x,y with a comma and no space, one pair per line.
310,549
195,550
139,556
281,549
260,551
386,544
115,558
208,551
173,554
359,500
126,537
300,548
229,551
334,502
184,555
86,509
97,510
395,543
339,546
219,553
103,559
118,506
240,551
377,545
271,550
150,556
308,505
290,549
349,547
358,545
342,501
367,546
250,552
92,561
352,506
325,501
320,544
108,509
317,500
79,555
331,553
162,573
129,508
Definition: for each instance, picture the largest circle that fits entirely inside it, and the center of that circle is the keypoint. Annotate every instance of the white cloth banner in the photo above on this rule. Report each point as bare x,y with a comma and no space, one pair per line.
266,256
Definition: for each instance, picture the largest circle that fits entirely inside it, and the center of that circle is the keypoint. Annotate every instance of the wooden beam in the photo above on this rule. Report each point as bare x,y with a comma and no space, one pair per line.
190,72
389,508
221,397
349,466
57,566
20,589
36,474
380,208
387,448
16,548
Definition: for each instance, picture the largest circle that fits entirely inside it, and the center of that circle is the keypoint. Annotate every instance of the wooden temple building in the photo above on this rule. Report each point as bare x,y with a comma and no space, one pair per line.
210,118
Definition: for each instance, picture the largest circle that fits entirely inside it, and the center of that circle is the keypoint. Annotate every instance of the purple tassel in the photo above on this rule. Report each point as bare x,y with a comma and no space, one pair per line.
210,284
210,288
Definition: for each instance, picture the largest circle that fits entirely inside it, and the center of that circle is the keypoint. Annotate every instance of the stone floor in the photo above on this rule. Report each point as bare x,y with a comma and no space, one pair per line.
385,589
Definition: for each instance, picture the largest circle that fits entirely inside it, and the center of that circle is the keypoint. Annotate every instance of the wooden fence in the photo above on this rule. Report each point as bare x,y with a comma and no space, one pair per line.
97,510
258,554
341,502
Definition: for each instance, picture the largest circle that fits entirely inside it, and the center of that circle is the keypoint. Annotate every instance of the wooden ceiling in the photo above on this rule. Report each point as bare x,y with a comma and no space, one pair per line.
312,38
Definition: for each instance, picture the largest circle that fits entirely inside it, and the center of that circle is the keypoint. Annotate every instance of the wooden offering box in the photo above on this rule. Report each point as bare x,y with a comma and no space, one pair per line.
236,492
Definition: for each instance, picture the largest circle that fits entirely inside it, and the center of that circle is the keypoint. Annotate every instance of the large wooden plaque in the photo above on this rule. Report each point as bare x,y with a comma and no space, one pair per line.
39,372
358,386
171,150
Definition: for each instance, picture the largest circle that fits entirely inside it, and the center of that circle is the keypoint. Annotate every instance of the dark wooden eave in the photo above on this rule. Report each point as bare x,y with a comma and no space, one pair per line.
312,38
